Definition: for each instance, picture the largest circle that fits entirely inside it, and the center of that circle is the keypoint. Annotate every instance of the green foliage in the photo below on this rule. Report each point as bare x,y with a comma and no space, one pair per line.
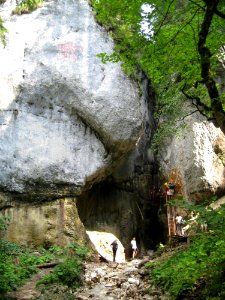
27,6
12,272
122,21
69,271
9,249
32,259
8,276
55,250
66,273
3,31
80,252
18,263
3,224
168,53
198,270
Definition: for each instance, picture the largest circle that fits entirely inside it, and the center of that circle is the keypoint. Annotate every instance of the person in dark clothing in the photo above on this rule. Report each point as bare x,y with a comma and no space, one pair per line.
114,246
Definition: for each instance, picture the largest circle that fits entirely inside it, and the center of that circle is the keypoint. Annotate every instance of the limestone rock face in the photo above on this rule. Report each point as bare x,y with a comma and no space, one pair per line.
47,224
196,160
65,118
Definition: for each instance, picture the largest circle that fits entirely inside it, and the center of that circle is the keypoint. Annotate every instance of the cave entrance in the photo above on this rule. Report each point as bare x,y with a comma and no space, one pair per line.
122,211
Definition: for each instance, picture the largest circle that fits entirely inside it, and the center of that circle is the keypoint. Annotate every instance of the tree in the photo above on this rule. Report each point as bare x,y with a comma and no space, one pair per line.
211,11
180,53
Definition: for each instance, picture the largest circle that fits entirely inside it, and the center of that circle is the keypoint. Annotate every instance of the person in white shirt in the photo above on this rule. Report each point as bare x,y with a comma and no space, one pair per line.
134,247
179,225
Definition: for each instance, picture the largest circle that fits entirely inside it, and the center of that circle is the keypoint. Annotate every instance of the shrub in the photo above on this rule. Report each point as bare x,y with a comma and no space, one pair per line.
200,268
66,273
12,271
3,220
27,6
8,276
17,264
81,252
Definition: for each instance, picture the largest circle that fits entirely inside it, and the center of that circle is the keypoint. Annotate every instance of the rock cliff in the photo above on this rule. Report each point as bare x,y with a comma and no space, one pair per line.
195,160
66,119
75,136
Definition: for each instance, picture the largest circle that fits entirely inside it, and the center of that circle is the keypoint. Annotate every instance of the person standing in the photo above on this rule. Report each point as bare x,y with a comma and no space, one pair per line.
134,247
114,246
179,225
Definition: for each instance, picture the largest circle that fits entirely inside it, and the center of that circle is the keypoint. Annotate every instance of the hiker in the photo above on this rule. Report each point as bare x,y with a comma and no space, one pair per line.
179,225
134,247
204,227
114,246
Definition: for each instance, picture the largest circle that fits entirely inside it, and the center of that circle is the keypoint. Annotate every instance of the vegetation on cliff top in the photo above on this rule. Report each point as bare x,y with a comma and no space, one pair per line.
27,6
178,44
23,7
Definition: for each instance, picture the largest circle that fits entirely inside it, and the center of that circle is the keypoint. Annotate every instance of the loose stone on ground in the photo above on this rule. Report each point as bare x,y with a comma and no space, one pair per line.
110,281
102,281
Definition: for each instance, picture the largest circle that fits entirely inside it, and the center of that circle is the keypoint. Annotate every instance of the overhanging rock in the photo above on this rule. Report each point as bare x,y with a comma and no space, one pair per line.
66,119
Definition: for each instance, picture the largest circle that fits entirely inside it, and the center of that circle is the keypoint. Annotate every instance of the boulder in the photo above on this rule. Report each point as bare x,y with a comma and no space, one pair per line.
66,119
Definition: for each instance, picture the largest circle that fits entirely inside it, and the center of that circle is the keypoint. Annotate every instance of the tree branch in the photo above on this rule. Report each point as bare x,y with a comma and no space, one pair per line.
164,18
47,265
196,101
182,27
205,56
219,13
203,8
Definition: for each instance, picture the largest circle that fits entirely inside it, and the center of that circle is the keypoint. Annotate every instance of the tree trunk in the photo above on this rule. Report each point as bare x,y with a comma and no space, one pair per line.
218,113
47,265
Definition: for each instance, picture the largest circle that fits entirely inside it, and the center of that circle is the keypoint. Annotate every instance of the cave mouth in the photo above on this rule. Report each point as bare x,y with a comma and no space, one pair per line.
108,207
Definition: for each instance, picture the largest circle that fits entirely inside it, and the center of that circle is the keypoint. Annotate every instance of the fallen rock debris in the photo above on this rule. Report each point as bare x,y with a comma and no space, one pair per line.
110,281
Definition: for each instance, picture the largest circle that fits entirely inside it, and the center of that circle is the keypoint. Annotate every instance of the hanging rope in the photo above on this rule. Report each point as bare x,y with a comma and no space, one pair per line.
139,210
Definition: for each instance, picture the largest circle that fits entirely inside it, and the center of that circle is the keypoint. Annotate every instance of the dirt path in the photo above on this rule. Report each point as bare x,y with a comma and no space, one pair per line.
28,291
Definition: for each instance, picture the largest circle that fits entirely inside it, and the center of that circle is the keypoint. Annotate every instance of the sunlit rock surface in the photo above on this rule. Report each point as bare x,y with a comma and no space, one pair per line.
102,242
218,203
65,118
196,160
52,223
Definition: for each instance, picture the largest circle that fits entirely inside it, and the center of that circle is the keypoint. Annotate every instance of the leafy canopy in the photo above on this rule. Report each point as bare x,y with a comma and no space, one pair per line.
179,51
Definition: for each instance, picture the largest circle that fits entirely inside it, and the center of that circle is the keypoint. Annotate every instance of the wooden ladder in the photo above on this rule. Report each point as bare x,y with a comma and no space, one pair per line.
171,219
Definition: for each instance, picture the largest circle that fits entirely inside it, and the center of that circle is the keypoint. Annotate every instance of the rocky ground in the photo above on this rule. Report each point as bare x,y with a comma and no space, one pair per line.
102,281
109,281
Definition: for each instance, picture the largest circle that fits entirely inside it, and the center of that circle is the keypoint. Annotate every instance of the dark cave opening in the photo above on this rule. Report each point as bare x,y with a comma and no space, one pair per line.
118,208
